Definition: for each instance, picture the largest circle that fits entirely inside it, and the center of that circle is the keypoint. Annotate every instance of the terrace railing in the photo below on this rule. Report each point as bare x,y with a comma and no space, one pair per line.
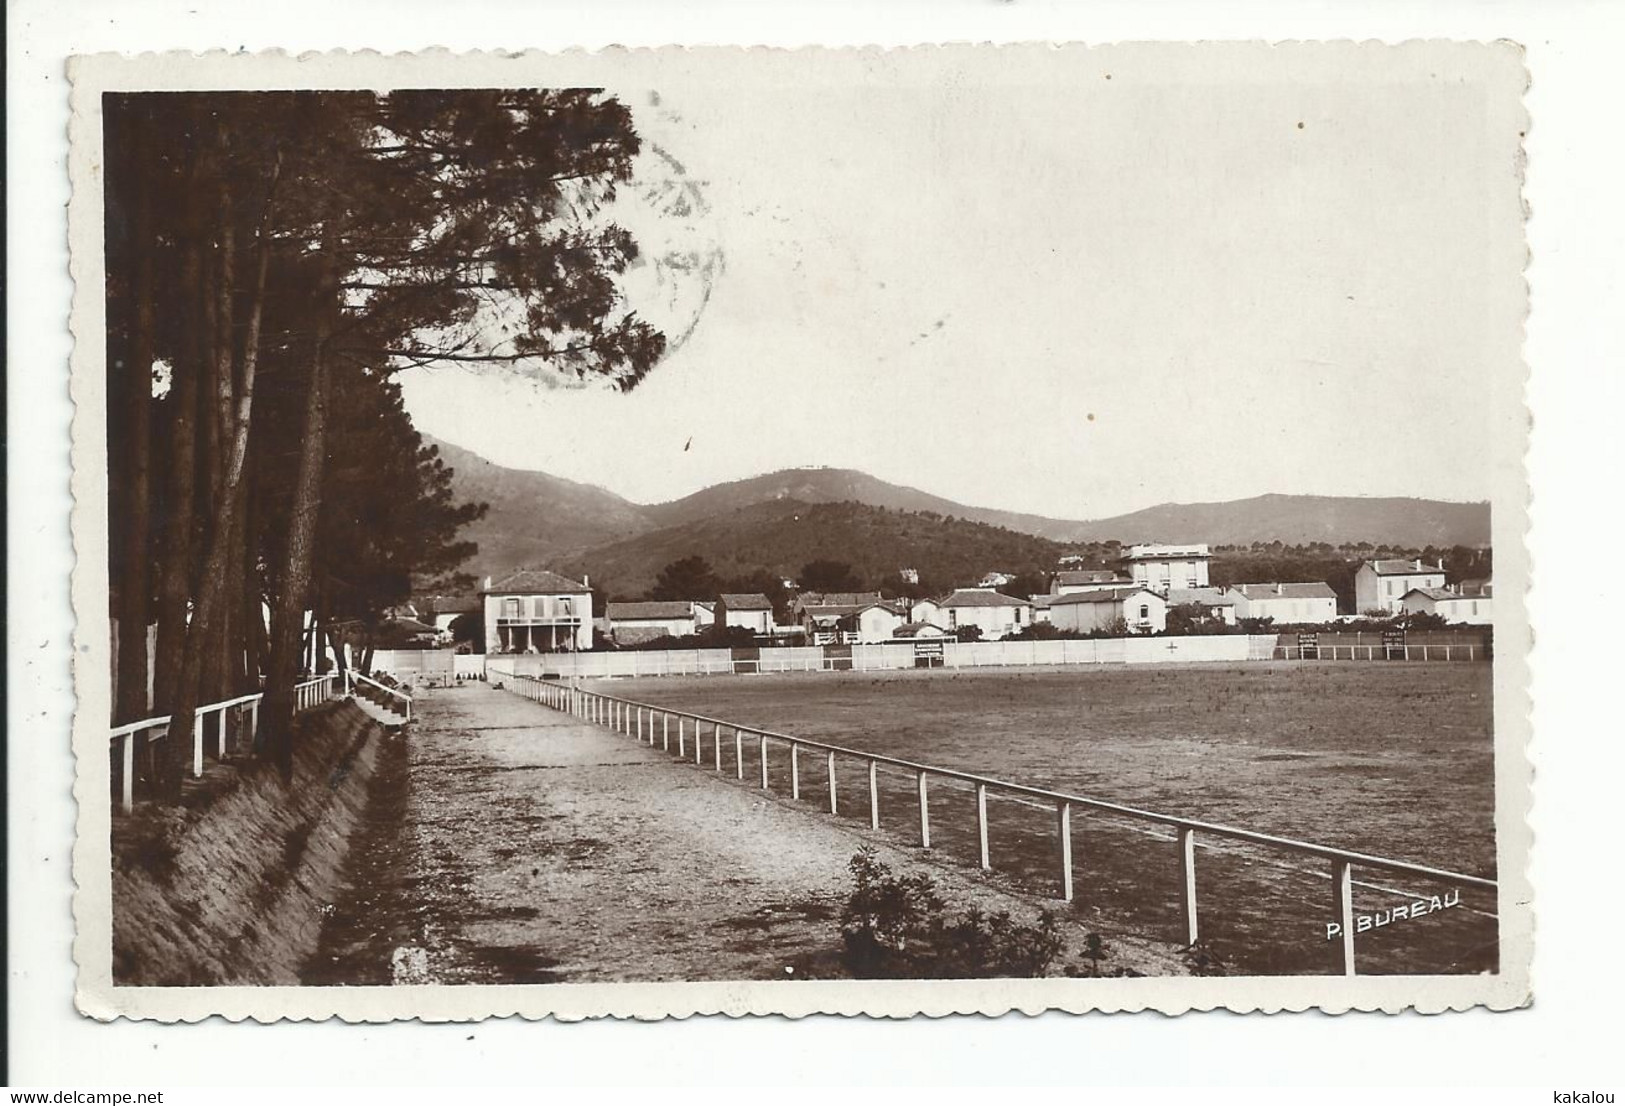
649,724
132,735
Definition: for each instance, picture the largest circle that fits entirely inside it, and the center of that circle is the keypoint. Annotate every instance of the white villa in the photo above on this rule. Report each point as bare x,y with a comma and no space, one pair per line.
1452,606
536,611
1381,585
996,614
1161,567
630,623
1141,609
1286,603
753,611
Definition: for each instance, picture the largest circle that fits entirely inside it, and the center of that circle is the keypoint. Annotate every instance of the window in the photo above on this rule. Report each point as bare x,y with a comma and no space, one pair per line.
1145,610
1018,616
953,619
510,608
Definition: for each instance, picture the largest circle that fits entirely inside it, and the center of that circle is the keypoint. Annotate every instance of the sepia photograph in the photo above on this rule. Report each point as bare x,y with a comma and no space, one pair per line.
850,531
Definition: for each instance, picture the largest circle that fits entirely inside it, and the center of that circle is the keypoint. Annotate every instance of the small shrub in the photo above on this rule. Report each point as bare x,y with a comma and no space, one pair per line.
899,927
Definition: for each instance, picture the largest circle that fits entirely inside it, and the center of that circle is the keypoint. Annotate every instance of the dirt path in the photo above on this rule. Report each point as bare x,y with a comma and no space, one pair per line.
515,844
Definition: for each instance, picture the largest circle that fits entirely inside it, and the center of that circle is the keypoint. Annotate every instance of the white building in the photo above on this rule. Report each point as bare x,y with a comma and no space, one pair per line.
1287,604
630,623
1161,567
753,611
997,615
1141,610
1381,585
1452,606
536,611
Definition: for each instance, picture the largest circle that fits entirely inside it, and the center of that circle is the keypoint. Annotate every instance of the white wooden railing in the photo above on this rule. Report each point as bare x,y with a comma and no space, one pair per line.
308,694
401,696
640,720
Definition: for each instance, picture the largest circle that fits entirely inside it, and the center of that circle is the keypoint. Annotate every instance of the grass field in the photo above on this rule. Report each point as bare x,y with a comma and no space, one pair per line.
1389,759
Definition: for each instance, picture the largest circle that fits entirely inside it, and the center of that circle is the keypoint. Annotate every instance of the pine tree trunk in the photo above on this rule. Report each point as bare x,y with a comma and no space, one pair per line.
201,633
287,623
131,702
175,586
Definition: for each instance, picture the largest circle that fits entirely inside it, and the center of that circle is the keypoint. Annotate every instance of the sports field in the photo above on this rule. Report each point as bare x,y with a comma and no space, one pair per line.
1390,759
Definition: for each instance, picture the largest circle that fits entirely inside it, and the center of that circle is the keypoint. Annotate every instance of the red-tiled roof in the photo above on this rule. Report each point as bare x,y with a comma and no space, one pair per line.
981,597
1207,597
1285,591
1404,568
837,598
1437,594
1090,576
654,609
536,581
914,629
1108,595
752,602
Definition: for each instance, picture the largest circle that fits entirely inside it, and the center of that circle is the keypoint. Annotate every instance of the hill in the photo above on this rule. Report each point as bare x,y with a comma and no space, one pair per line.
784,534
534,518
827,485
542,520
1300,519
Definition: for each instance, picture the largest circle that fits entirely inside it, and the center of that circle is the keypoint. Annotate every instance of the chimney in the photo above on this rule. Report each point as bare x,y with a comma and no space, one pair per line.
1418,564
487,583
1280,589
584,581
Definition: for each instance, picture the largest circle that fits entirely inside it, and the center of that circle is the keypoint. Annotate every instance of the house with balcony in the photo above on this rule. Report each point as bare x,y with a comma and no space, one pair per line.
1141,611
1380,585
537,611
1159,568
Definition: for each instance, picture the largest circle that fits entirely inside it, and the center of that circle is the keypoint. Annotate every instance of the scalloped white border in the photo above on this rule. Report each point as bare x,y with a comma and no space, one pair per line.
1498,65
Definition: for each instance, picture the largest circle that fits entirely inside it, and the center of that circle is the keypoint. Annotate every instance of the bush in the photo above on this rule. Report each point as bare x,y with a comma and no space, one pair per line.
898,927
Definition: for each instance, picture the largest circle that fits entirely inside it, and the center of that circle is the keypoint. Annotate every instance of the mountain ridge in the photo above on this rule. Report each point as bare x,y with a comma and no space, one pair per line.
536,518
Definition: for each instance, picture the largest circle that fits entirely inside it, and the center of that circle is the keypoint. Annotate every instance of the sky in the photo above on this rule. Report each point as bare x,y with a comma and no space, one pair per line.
1075,298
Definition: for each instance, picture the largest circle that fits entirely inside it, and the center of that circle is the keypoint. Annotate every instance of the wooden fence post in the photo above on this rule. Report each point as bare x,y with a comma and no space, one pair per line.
925,810
127,785
716,744
1343,912
874,796
981,826
1187,882
197,744
699,740
1063,829
795,770
682,742
830,771
739,755
220,746
761,749
665,731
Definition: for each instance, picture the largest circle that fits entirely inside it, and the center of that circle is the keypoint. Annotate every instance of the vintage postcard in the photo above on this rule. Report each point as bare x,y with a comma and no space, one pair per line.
954,529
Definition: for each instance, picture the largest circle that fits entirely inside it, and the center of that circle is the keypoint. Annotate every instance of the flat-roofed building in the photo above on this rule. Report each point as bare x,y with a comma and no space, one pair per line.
1162,567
